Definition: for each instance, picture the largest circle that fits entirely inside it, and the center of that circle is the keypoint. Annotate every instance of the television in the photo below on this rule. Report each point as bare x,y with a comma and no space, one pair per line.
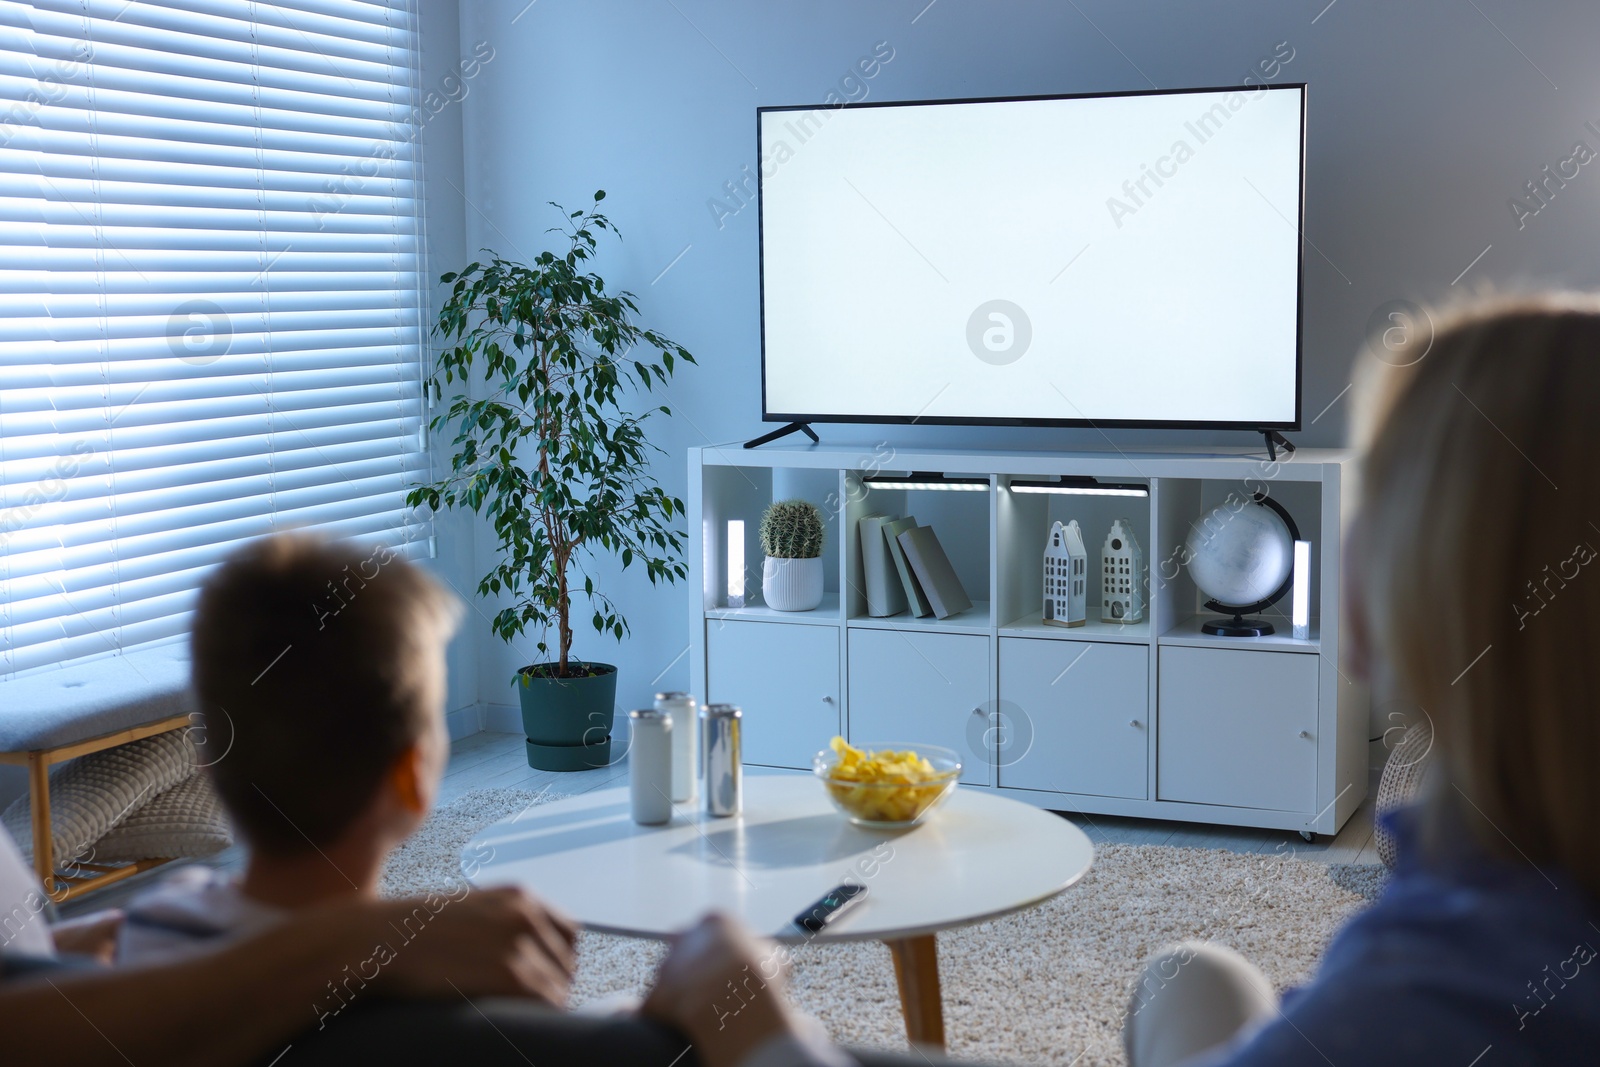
1112,260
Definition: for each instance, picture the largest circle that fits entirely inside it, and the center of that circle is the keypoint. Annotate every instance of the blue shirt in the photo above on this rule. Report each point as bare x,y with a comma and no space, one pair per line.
1471,962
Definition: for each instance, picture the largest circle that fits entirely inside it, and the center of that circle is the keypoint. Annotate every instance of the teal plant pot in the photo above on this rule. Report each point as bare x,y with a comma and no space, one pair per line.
568,721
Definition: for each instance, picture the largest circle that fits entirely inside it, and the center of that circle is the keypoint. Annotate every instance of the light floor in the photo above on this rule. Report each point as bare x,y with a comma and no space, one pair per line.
499,761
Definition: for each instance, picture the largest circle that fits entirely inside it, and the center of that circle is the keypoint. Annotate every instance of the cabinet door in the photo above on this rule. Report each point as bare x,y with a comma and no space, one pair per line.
1077,715
785,676
922,687
1237,728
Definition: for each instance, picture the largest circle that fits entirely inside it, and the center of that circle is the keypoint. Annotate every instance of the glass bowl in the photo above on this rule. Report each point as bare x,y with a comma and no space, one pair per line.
890,805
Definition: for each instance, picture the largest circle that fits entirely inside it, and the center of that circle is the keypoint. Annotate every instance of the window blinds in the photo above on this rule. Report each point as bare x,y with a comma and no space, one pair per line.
209,300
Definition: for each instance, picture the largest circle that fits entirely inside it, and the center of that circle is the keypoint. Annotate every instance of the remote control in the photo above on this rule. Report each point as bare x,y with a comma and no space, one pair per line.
834,902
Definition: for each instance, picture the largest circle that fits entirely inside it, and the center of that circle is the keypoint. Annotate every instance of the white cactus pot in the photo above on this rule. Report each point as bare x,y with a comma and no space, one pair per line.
791,584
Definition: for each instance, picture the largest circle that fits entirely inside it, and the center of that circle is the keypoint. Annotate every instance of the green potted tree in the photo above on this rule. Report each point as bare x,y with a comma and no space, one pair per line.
791,538
550,453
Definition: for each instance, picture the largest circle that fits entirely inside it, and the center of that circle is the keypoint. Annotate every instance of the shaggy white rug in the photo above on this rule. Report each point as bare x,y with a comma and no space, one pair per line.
1045,986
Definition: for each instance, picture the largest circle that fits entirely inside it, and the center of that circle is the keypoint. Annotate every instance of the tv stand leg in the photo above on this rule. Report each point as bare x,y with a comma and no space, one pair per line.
1274,438
785,431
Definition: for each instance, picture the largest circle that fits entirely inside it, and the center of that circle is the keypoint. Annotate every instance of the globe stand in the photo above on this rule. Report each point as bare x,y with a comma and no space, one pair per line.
1238,626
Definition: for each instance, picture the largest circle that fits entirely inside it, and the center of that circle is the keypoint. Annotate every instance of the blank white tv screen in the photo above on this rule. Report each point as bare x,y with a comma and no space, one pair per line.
1129,259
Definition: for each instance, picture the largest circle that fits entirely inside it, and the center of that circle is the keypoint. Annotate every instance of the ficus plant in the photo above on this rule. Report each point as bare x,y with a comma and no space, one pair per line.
549,450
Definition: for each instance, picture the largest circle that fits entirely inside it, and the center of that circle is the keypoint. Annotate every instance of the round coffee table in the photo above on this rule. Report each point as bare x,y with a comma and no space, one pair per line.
978,857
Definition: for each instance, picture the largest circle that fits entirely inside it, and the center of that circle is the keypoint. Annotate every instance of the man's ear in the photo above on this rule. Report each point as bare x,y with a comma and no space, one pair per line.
405,779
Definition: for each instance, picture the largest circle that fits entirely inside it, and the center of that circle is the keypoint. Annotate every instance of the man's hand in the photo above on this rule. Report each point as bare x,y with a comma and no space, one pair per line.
491,942
722,987
93,935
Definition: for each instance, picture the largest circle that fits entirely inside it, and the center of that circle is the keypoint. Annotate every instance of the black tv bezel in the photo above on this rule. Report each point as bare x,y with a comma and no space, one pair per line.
768,415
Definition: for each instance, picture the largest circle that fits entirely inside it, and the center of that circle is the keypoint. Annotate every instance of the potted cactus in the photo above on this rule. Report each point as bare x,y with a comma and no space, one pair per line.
791,537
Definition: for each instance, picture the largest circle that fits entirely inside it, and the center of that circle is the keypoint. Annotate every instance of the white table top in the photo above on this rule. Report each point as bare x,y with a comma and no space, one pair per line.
979,856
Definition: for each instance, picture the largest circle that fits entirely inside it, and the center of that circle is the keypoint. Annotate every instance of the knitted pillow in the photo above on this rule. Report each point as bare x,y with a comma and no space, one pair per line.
92,794
1403,773
187,820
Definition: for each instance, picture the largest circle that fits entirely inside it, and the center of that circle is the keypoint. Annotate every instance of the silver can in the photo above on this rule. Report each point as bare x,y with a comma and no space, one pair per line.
719,729
650,766
685,743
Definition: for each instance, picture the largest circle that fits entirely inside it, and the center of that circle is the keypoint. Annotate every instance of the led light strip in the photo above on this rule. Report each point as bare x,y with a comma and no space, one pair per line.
1300,616
1076,490
930,481
1071,486
735,563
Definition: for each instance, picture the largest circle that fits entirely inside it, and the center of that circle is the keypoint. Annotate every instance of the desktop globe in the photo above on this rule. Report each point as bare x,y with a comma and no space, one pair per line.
1241,558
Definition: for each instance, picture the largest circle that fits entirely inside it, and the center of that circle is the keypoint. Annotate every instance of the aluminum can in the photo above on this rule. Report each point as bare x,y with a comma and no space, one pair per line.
685,743
719,729
650,766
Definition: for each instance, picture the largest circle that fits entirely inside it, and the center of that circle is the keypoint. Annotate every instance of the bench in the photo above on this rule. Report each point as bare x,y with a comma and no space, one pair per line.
59,715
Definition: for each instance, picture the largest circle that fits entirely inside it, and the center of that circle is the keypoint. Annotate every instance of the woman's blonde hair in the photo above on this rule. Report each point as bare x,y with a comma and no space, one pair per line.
1479,519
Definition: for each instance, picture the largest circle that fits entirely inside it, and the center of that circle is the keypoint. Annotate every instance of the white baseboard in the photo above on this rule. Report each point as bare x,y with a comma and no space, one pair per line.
464,722
502,718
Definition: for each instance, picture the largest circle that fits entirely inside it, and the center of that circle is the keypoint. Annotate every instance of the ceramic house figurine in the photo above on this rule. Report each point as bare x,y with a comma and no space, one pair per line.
1121,575
1066,576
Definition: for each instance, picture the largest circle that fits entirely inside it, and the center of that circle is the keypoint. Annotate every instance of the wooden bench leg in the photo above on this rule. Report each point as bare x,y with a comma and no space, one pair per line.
44,859
916,970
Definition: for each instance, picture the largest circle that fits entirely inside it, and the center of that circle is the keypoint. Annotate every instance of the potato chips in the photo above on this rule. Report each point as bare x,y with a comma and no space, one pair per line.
884,787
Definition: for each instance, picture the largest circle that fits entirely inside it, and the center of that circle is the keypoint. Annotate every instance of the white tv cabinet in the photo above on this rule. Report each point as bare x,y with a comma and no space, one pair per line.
1153,719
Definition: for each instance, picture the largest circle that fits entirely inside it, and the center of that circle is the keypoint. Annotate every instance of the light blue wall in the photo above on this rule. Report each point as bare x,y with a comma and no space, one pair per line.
1424,120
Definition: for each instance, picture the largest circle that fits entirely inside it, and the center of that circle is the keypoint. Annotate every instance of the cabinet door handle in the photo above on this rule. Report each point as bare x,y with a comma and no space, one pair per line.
1306,734
827,700
1135,723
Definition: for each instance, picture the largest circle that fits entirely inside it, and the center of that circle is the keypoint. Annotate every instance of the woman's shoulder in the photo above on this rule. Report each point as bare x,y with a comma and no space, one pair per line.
1467,923
1444,965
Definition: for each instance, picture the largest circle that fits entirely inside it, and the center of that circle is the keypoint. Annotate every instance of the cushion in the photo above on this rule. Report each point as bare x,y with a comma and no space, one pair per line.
91,699
93,793
186,820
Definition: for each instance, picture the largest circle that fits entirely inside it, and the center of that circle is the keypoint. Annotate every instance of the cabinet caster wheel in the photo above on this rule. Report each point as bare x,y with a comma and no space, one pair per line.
1309,836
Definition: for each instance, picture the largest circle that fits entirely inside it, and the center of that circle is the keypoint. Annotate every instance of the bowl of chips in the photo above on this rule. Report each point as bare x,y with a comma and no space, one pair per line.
886,787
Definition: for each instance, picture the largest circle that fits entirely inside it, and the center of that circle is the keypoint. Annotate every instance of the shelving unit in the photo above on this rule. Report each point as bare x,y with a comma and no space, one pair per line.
824,614
1133,633
976,619
1153,718
1188,633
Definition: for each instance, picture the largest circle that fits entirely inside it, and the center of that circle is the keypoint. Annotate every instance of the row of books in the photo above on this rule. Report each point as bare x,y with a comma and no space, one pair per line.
905,568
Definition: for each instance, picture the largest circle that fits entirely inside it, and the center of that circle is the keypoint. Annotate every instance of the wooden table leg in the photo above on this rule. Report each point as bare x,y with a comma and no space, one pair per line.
916,971
44,860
